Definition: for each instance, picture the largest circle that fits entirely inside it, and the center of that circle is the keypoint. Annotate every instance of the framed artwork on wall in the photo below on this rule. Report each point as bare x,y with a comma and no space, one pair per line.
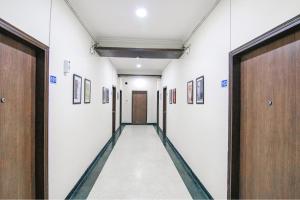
103,95
200,90
174,96
77,84
170,97
87,91
190,92
106,95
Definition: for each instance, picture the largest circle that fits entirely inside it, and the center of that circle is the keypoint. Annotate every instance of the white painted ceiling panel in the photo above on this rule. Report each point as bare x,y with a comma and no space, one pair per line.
167,25
149,66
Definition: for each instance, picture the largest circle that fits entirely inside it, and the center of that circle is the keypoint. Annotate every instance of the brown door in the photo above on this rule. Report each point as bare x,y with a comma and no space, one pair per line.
157,108
165,110
269,140
139,107
113,110
121,99
17,119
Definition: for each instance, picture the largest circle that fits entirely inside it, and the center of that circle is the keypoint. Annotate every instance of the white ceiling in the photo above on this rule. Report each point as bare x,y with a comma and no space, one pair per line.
149,66
168,24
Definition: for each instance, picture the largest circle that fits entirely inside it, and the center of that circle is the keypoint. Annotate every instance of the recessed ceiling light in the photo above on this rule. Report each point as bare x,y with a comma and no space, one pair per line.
138,65
141,12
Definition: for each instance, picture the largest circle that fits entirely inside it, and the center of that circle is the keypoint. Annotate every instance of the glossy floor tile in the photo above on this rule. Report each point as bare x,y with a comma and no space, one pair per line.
139,167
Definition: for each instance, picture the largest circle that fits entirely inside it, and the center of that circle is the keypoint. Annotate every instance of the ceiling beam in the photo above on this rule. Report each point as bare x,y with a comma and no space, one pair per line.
147,75
139,52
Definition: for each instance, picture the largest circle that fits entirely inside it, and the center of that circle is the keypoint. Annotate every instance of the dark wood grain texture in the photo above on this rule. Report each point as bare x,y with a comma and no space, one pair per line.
165,110
40,122
289,27
297,43
114,94
139,107
268,131
17,119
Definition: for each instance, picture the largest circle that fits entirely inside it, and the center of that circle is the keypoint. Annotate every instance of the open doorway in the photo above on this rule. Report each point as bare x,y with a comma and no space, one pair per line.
165,110
113,109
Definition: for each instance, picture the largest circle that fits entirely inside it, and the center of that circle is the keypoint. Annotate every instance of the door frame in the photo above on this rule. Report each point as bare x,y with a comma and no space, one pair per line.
165,99
139,91
121,96
113,108
157,107
41,96
235,101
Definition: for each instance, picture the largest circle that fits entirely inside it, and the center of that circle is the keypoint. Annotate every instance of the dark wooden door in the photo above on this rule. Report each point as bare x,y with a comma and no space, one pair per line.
165,110
269,134
139,107
114,109
17,119
121,97
157,108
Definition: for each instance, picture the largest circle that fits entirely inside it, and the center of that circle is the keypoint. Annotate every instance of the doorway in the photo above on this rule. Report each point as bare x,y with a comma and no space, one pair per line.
121,94
157,108
165,110
264,126
23,115
139,107
114,92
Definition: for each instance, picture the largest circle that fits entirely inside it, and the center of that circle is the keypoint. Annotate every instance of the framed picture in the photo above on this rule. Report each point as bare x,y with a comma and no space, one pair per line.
106,95
77,84
170,97
200,90
174,96
103,95
190,92
87,91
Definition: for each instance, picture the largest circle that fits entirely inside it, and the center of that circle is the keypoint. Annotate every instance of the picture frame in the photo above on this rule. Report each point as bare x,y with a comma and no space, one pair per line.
87,91
174,96
106,95
200,90
190,92
103,95
170,97
77,88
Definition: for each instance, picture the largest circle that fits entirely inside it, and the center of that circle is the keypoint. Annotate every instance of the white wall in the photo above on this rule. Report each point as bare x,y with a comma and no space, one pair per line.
76,132
140,83
31,16
200,132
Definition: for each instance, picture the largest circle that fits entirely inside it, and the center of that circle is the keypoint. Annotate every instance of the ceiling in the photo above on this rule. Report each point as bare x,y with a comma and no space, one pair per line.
149,66
168,24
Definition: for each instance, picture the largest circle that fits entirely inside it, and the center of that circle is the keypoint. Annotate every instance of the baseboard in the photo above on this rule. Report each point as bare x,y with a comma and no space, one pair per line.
197,183
91,166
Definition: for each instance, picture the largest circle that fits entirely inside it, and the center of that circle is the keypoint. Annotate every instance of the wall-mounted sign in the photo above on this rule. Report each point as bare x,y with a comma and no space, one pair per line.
224,83
53,79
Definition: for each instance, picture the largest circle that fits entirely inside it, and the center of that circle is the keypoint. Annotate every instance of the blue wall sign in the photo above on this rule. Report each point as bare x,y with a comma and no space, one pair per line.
53,79
224,83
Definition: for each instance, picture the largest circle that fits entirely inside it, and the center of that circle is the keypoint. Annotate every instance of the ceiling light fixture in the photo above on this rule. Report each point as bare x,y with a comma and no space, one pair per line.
138,65
141,12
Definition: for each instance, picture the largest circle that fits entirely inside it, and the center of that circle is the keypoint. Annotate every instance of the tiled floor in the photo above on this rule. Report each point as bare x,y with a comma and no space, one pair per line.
139,167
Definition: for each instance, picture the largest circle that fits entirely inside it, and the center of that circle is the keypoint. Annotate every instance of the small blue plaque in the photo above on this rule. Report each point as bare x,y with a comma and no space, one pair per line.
224,83
53,79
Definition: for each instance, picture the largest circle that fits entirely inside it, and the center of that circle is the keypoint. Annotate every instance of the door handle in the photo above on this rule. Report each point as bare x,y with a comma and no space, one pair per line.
2,100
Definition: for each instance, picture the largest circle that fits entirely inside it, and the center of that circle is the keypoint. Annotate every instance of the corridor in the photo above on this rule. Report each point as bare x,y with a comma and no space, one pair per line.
139,167
149,99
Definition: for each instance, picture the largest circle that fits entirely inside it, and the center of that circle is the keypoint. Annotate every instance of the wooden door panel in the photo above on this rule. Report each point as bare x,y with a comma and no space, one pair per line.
297,185
139,107
165,110
268,121
17,119
113,110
